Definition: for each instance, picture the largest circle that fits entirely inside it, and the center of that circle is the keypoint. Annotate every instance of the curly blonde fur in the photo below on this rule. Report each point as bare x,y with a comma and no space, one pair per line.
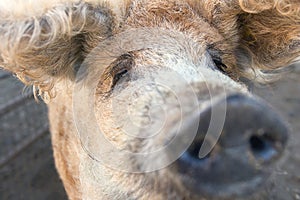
47,44
43,40
271,34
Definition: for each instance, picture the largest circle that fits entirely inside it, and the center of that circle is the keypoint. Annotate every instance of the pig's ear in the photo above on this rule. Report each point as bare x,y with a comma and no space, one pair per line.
269,32
264,33
41,41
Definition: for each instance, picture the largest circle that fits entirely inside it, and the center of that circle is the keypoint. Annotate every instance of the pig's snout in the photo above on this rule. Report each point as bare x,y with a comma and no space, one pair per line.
253,137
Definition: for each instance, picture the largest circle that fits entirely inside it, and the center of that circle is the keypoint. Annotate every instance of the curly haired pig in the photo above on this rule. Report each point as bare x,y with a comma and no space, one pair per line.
125,78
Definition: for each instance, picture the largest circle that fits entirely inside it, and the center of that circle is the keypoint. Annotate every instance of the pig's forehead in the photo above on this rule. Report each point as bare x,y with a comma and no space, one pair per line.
157,45
21,9
157,48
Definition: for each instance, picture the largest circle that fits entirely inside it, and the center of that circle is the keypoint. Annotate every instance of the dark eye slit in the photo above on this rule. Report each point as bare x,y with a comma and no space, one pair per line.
220,65
120,68
216,57
118,76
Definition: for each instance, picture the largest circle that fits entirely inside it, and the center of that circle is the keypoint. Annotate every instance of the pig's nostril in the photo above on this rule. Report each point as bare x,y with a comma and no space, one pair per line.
240,160
257,144
262,148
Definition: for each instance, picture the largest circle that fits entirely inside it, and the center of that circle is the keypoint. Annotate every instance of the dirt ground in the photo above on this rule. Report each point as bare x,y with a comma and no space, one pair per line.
26,162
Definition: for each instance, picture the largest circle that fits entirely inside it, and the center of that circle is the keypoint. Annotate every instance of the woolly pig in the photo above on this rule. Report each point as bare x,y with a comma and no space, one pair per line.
145,97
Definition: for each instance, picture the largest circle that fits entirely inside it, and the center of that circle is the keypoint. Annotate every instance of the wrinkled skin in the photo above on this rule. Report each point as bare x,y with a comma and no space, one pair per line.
166,61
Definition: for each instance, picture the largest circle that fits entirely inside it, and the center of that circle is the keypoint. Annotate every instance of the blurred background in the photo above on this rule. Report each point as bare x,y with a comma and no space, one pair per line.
27,168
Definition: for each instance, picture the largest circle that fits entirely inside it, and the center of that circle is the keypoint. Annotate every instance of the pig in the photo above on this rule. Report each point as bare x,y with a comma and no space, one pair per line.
146,98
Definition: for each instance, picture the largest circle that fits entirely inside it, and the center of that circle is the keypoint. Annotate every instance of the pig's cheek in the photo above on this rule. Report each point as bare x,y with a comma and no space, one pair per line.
136,115
120,117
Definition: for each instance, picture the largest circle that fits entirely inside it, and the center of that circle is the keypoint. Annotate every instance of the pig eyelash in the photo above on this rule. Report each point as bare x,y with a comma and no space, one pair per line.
120,68
118,75
220,65
215,55
115,72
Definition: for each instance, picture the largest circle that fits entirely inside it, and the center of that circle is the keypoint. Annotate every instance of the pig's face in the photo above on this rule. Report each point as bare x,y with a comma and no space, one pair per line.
146,102
150,102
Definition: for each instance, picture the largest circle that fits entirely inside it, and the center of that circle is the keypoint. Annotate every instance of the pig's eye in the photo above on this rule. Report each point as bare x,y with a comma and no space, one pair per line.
120,68
119,75
117,71
215,55
220,65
